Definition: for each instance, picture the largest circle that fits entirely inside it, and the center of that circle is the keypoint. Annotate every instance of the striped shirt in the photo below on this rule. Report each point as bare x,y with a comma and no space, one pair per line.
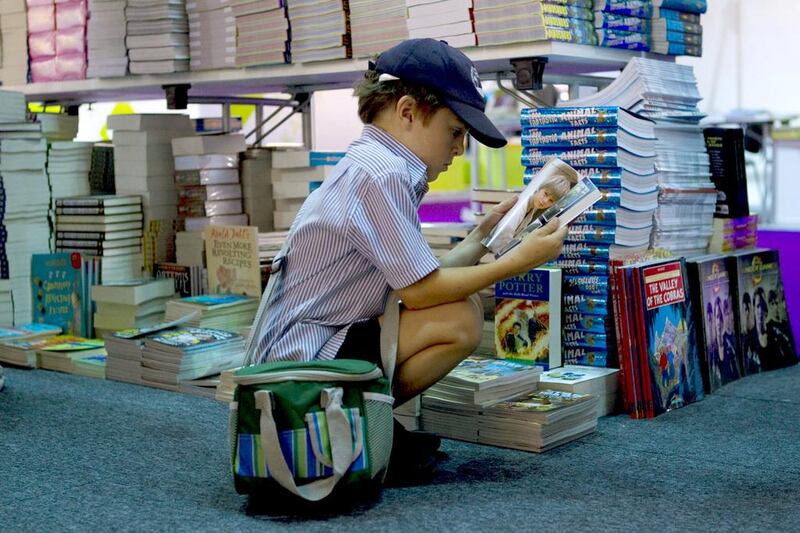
355,237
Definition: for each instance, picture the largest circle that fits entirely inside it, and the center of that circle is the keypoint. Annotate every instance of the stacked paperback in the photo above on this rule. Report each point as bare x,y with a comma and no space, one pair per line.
57,40
262,32
623,24
256,187
131,305
615,149
13,347
676,28
533,20
212,34
105,32
230,312
319,30
157,36
602,383
68,164
14,53
376,25
447,20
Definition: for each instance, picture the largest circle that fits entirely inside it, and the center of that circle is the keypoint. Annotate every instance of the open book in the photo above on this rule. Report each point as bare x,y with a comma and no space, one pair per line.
540,202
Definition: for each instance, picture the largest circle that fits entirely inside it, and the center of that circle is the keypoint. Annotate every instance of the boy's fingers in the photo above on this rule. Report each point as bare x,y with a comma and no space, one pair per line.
549,228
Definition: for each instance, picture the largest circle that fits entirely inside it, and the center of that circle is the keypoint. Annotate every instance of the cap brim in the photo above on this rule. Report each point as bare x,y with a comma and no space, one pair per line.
479,124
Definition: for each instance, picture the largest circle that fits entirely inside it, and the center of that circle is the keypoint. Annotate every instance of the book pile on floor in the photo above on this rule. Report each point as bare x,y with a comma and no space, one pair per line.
143,165
408,413
14,53
109,227
14,349
602,383
534,20
61,286
447,20
262,32
295,174
320,31
676,28
616,150
201,204
124,348
223,311
130,305
157,36
212,34
376,25
189,353
57,41
623,24
73,355
105,35
257,188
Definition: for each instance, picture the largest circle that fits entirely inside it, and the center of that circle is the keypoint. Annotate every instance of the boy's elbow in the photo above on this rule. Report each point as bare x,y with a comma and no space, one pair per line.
418,295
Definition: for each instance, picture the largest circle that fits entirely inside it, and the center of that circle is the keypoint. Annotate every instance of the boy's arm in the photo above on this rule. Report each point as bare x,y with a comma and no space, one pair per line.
445,285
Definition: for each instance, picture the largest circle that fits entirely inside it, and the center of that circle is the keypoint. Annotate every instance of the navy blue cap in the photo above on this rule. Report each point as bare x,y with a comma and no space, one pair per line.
439,66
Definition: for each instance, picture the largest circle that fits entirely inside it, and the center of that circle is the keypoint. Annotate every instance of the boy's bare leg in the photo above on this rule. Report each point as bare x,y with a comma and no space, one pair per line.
432,342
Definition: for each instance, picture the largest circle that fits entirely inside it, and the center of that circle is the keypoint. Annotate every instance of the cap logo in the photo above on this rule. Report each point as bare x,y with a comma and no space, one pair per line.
476,80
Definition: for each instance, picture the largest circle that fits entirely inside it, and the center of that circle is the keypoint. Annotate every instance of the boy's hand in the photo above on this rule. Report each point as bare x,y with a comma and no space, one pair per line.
537,248
493,217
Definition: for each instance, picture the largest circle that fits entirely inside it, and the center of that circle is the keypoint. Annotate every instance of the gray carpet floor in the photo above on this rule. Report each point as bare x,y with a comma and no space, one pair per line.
86,455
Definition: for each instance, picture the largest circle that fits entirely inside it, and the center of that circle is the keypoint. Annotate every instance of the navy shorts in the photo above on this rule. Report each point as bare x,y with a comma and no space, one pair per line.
363,341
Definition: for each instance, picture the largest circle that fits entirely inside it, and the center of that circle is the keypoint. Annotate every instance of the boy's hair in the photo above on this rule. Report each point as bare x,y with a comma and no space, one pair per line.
557,185
375,95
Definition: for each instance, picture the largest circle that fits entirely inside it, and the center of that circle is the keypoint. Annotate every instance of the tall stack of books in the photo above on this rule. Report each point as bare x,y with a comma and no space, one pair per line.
143,165
108,227
257,187
212,34
320,31
623,24
295,174
676,28
68,165
23,159
157,36
616,150
262,32
188,353
208,203
131,305
447,20
105,33
57,40
533,20
376,25
14,54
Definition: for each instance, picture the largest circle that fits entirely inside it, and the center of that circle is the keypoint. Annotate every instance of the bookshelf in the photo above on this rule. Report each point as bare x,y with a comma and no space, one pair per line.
564,59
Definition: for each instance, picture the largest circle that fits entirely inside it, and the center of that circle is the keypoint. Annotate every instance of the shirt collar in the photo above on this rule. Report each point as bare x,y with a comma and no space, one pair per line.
416,168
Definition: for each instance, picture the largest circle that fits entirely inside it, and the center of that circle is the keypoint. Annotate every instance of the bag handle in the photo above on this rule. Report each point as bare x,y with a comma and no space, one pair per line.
341,439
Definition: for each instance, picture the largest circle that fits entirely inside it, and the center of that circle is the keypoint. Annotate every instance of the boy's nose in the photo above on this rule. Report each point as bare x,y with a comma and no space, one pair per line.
459,147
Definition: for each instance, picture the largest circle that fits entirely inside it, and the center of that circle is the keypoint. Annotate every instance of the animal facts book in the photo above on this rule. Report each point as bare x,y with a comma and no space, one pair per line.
717,329
528,318
57,285
232,260
766,340
725,147
628,8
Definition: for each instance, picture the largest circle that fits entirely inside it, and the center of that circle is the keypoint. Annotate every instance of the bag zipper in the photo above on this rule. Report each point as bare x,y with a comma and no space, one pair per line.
306,375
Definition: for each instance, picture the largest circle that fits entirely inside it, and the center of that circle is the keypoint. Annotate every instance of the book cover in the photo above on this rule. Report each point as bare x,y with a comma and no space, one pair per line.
476,371
713,306
192,338
528,318
725,147
766,339
215,300
57,289
188,280
669,342
232,260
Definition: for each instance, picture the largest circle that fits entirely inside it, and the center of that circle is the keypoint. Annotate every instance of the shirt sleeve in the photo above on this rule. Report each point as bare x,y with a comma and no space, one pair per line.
385,228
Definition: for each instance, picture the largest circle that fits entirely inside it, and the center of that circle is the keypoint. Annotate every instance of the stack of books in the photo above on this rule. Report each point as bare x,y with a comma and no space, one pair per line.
623,24
73,355
68,164
615,149
447,20
533,20
377,25
730,234
602,383
57,41
451,407
676,28
295,174
105,33
6,299
109,227
262,32
257,187
157,36
230,312
14,53
320,31
124,351
131,305
60,285
539,421
101,171
143,165
208,203
269,244
188,353
212,34
19,354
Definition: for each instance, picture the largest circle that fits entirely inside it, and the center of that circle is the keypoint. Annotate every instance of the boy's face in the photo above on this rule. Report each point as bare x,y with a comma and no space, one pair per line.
439,141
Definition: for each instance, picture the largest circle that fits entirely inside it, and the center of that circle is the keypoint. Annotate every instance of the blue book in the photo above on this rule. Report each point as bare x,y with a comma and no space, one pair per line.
680,37
612,21
672,14
600,217
678,49
571,117
581,267
585,339
192,339
589,157
678,25
595,284
609,199
602,177
629,8
689,6
583,250
590,233
570,137
579,321
57,288
627,40
585,356
585,303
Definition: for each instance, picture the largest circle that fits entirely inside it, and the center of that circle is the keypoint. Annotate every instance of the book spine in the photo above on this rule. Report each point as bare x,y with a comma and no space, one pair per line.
570,138
597,285
585,303
585,356
600,217
585,339
671,25
568,11
679,37
645,373
628,8
672,14
579,321
569,117
575,267
79,202
623,345
611,21
581,157
627,40
584,251
689,6
589,233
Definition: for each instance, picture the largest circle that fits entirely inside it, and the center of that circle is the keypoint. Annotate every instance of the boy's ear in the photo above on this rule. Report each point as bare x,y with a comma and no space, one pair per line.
406,110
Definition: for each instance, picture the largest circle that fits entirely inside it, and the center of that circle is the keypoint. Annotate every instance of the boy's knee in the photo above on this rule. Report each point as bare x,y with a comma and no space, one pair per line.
469,329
